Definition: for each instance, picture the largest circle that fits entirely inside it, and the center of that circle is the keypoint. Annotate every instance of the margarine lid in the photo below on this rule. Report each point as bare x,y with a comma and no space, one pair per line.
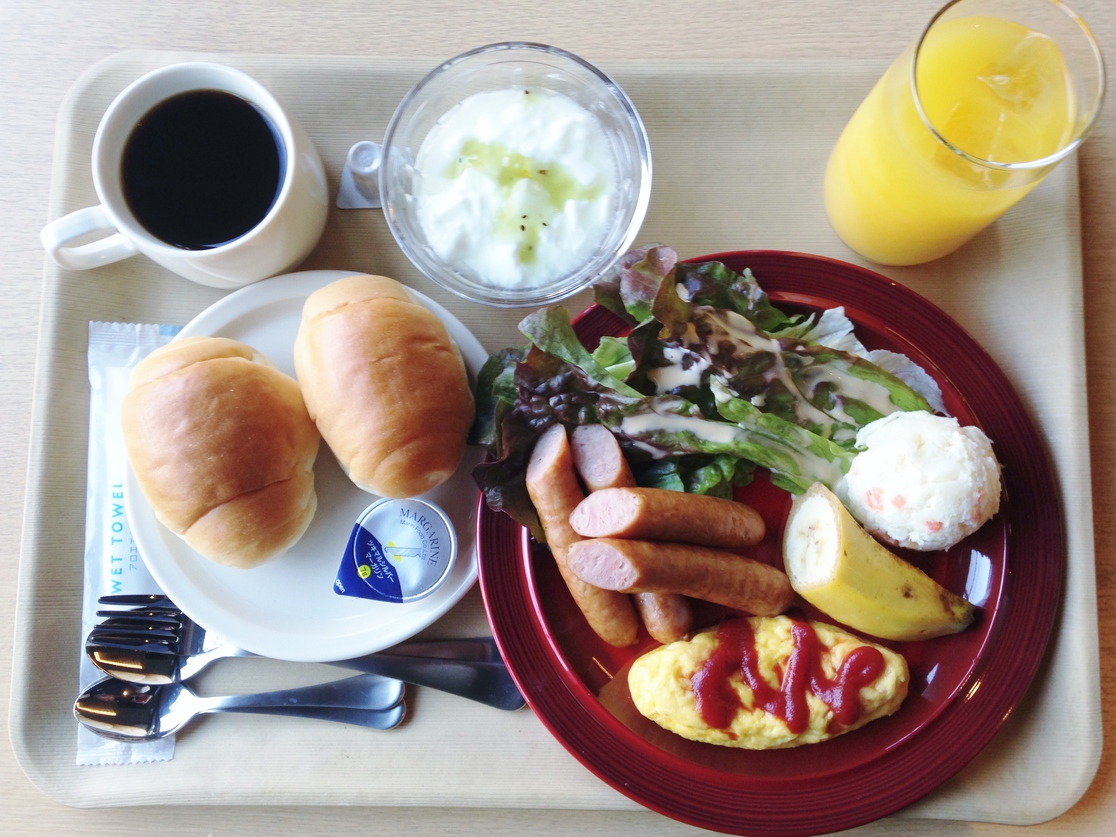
398,551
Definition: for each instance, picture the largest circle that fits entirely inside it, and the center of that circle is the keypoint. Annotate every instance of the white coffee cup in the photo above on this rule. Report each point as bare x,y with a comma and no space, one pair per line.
282,239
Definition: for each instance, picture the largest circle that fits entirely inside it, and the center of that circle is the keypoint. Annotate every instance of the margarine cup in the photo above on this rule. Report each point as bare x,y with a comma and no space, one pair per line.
399,551
963,125
282,238
518,182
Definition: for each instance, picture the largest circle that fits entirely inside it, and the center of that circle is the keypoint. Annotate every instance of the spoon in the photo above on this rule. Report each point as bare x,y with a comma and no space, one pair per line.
142,712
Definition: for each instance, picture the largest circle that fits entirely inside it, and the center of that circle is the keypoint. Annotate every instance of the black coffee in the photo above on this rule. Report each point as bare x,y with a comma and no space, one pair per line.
202,168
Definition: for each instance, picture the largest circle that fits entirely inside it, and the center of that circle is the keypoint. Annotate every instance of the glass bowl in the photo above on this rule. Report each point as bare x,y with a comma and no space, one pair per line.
514,66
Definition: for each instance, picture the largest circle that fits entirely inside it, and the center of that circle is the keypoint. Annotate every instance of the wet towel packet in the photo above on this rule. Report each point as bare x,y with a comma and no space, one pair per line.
112,563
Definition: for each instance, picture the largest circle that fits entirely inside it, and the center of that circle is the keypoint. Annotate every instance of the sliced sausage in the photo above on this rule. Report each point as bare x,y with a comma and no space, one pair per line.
660,515
598,458
725,578
668,617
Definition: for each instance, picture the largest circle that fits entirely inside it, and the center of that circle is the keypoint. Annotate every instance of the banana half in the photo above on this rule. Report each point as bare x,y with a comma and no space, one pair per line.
843,571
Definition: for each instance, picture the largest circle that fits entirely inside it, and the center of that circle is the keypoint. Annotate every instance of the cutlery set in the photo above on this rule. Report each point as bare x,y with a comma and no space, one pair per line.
149,648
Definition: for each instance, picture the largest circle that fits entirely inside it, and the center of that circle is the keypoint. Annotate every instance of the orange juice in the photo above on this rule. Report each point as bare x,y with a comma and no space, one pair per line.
995,90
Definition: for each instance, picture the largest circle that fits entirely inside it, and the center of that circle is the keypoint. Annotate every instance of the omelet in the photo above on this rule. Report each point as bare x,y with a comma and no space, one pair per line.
764,683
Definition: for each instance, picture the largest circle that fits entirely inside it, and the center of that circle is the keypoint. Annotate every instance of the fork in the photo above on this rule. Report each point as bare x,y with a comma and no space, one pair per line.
153,641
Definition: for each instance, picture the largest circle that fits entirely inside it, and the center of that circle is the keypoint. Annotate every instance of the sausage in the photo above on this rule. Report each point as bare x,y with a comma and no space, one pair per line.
657,514
600,463
714,575
668,617
554,489
598,458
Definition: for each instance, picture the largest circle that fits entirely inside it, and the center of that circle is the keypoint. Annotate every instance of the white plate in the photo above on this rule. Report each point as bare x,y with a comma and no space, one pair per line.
287,608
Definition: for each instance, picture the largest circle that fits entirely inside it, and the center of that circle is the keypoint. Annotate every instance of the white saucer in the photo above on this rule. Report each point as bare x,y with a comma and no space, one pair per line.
287,608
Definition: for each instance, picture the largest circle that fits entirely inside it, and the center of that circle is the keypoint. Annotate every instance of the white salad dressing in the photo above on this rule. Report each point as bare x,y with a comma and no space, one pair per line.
684,369
728,335
867,392
728,326
717,436
517,187
647,424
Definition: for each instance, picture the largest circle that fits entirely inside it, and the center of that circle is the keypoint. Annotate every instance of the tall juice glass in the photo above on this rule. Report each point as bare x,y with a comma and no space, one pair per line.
963,125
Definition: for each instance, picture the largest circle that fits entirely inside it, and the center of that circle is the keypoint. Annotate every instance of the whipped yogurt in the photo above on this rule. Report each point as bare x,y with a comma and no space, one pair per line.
516,187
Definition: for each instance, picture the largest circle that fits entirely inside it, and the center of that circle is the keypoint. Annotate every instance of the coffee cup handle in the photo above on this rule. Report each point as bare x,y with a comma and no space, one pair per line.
57,235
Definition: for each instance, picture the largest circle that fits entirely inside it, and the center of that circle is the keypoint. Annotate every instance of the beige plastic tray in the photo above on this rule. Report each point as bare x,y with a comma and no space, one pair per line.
739,149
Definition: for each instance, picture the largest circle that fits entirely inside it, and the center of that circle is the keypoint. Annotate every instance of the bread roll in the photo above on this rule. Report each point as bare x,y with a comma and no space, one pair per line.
385,384
223,448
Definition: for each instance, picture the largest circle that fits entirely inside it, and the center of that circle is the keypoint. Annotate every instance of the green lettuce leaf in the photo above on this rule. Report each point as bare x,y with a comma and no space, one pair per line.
551,331
495,395
697,473
667,425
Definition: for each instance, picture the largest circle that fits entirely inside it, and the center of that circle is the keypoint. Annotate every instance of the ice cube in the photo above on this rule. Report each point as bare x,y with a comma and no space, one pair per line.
1022,76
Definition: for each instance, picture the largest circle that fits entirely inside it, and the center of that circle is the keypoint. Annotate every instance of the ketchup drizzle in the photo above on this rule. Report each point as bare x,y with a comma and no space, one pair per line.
718,702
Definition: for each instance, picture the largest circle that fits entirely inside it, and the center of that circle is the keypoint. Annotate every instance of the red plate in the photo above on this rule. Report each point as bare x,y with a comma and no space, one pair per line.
962,687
